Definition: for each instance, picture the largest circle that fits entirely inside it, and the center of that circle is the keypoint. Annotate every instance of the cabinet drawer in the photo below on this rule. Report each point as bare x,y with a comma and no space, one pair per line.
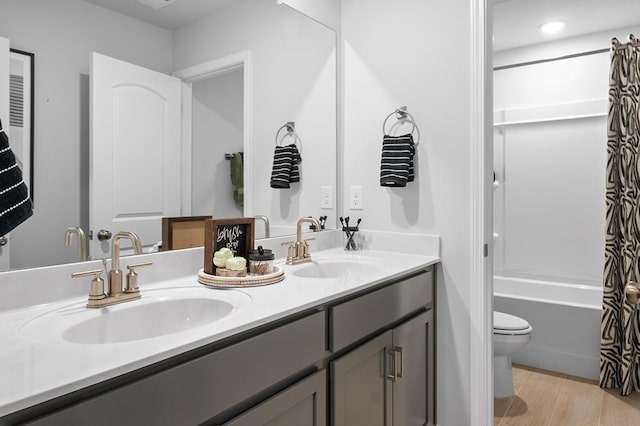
357,318
302,404
195,391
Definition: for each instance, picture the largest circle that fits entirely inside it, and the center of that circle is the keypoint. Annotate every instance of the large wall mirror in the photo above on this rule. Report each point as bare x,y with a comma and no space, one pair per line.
292,78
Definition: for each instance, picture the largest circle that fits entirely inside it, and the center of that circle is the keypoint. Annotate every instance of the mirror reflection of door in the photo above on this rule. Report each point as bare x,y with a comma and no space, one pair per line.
144,180
135,151
217,138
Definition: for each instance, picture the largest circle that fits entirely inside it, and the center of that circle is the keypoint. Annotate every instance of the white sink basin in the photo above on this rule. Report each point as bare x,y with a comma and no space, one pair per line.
337,268
160,312
150,320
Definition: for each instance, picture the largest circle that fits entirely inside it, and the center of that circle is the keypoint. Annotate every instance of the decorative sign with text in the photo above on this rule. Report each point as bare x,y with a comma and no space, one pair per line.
234,234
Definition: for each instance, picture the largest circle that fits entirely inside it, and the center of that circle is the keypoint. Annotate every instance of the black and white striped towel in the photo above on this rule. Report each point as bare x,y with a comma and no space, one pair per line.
396,166
15,203
285,166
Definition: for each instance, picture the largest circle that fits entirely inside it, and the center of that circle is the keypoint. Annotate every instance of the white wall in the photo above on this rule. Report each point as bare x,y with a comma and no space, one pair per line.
294,79
217,129
62,34
418,54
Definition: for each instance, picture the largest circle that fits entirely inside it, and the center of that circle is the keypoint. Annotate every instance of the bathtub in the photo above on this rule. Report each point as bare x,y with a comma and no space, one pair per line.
565,320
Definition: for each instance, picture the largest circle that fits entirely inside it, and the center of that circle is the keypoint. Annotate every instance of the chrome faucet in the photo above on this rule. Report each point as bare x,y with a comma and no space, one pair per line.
299,250
266,224
116,293
82,241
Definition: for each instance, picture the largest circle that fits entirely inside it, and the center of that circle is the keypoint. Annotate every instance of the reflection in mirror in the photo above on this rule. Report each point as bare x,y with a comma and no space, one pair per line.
293,74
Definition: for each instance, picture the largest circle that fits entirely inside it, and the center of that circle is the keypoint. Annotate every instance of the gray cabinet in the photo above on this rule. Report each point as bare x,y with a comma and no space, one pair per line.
389,379
303,404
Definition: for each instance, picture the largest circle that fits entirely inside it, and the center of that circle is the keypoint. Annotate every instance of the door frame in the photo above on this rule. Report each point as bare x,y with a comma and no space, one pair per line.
5,251
213,68
481,262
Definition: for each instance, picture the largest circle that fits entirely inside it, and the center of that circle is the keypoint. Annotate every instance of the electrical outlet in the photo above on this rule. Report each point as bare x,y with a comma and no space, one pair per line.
355,197
326,197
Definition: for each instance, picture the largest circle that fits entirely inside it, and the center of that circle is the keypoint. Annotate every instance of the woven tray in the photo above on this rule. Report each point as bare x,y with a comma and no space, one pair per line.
249,281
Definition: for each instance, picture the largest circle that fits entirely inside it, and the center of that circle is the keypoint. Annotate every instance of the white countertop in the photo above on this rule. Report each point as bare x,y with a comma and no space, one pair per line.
37,364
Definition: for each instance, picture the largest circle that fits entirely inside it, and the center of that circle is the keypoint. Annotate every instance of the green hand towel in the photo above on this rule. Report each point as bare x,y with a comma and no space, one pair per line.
237,178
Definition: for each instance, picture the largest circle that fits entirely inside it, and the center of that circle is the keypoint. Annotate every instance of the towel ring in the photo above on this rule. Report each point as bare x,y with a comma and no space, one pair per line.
291,132
402,115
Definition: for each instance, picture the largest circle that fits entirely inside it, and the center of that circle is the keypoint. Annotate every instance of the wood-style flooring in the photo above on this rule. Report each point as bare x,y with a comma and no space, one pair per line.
547,398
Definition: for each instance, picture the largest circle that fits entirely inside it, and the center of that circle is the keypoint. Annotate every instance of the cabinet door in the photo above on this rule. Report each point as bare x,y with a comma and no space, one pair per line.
303,404
413,402
361,391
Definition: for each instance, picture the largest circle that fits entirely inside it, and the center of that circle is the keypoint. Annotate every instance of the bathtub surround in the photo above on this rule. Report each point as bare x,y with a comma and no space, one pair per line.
619,353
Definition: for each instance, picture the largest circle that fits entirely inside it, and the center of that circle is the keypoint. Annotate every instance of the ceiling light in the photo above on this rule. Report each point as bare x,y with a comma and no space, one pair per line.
552,27
156,4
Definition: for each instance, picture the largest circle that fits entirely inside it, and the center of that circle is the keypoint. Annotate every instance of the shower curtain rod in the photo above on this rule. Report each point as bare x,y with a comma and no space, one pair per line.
558,58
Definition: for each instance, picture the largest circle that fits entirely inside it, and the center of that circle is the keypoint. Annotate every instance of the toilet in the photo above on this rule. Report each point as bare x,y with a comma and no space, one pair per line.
510,333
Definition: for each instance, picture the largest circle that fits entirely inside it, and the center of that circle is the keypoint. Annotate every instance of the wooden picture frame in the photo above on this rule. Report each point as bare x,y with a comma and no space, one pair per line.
20,123
183,232
236,234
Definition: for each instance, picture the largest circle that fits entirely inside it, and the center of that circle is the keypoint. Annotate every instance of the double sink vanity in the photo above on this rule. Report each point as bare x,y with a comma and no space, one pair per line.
345,339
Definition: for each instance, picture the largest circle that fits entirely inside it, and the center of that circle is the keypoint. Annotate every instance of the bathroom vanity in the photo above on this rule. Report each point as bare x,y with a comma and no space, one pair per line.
346,339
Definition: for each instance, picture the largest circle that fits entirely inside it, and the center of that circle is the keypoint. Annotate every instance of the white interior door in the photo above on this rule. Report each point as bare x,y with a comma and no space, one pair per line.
5,241
135,151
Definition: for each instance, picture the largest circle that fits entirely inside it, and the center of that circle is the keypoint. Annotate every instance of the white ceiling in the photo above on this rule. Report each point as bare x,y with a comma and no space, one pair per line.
172,17
517,22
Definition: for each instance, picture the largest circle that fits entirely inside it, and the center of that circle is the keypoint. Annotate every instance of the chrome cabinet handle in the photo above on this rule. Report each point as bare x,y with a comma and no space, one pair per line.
3,241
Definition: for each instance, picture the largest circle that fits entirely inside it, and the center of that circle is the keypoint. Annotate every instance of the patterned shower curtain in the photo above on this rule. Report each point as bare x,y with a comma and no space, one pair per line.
620,338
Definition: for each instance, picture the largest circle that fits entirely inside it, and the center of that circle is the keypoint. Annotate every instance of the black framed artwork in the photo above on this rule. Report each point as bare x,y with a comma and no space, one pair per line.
21,112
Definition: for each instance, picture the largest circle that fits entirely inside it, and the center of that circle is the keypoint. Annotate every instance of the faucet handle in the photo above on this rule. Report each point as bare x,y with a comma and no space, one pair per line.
306,250
291,251
97,284
132,277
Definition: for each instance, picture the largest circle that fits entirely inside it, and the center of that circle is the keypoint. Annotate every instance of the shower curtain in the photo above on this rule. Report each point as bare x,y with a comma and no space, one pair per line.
620,333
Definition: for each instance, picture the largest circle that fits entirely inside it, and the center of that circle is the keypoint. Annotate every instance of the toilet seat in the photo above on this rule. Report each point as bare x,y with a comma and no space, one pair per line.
506,324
